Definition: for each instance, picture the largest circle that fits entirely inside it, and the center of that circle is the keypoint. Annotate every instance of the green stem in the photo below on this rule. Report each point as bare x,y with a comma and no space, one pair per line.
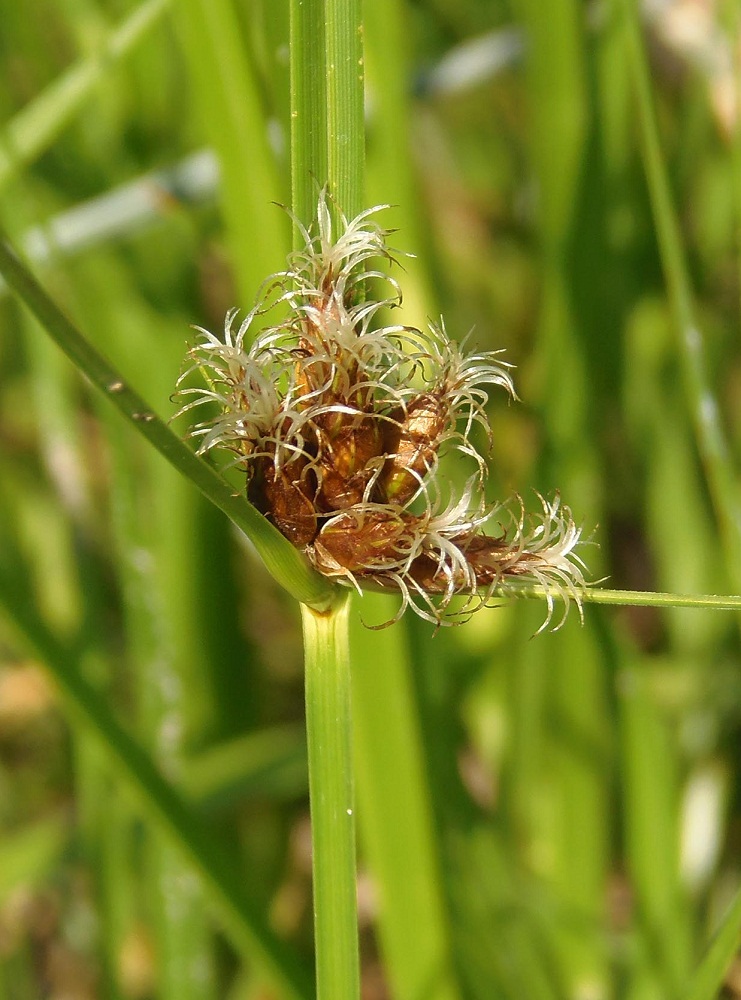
308,109
286,563
327,126
636,598
327,147
329,736
345,124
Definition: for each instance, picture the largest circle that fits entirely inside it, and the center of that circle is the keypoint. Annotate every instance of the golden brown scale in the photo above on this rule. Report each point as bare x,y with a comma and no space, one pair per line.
315,379
425,571
345,465
486,556
309,378
286,497
345,443
358,543
489,557
412,440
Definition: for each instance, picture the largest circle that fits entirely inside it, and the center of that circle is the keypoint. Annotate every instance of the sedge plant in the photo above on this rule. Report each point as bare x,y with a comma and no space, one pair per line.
338,422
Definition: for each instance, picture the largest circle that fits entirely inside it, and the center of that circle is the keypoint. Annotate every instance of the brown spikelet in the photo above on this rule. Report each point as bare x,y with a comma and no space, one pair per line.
340,424
286,496
346,465
411,440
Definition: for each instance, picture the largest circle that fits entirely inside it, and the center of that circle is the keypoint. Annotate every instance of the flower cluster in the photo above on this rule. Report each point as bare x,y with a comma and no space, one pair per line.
340,422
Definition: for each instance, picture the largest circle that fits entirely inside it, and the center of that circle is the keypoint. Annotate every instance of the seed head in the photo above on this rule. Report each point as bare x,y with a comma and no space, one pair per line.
339,424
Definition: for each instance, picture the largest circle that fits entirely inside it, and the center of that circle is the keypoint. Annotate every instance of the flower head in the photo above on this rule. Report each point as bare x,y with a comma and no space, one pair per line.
339,424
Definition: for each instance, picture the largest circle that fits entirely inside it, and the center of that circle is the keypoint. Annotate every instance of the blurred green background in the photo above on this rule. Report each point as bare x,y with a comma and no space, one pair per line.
579,792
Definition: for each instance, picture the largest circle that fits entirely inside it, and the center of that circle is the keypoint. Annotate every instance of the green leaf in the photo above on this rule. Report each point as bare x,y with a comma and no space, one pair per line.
286,563
32,130
709,976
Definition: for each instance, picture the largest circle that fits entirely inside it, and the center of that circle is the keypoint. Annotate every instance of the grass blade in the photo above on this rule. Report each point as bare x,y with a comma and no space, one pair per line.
711,439
234,121
164,695
708,979
35,128
396,815
284,561
329,739
651,791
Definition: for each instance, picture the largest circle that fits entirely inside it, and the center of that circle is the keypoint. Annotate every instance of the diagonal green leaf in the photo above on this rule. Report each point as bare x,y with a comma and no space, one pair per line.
285,562
35,127
708,978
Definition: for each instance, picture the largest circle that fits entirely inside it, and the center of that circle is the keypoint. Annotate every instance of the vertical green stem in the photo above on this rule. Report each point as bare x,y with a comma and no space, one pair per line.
328,147
327,125
308,108
329,734
345,125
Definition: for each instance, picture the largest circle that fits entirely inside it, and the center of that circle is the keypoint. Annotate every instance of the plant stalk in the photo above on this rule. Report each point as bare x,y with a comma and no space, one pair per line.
329,737
328,148
625,598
